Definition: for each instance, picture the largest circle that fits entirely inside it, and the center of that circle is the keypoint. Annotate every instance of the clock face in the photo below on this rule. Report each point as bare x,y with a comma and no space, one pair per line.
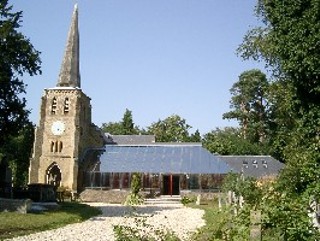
57,127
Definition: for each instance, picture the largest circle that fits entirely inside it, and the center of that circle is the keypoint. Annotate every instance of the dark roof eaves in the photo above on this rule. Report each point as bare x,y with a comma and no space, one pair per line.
159,144
245,156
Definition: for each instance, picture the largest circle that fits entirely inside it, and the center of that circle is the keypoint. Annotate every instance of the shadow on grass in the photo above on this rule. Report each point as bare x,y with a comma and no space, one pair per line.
117,210
83,211
16,224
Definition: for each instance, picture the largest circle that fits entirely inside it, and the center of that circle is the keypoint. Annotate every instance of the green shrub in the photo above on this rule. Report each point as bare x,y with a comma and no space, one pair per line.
186,200
135,183
143,232
135,198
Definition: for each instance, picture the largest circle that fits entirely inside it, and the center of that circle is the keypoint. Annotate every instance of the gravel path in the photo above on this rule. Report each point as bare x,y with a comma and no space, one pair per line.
181,220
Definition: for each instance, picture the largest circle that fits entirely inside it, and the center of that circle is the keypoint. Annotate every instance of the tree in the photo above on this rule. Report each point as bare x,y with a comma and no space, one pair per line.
17,151
124,127
282,118
127,124
114,128
250,105
289,43
195,137
172,129
228,141
17,56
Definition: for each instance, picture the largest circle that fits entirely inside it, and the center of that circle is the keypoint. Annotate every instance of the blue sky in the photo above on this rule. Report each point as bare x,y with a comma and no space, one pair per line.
154,57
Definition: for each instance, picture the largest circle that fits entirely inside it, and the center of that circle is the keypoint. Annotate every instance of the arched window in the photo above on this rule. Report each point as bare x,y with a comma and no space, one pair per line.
56,146
52,146
60,146
66,105
54,106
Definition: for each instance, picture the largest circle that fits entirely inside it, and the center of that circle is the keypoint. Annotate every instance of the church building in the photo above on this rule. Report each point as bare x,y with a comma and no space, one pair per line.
65,131
70,151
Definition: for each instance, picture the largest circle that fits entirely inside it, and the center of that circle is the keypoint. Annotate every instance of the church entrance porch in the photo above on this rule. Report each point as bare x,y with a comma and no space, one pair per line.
54,175
170,185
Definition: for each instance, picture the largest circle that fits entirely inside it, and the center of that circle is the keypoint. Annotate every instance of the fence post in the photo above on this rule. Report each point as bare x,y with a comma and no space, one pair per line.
255,225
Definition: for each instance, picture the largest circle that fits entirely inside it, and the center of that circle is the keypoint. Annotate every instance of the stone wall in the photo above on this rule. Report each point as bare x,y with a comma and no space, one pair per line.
119,196
204,195
15,205
107,196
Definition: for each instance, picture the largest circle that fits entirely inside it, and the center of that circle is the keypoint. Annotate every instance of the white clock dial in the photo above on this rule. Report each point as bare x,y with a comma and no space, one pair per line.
57,127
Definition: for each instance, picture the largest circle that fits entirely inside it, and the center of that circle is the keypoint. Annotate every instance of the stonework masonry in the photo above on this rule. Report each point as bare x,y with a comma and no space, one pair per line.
63,150
65,131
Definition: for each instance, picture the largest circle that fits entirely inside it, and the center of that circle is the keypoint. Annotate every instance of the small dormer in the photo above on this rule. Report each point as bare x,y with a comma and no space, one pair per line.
255,163
264,163
245,164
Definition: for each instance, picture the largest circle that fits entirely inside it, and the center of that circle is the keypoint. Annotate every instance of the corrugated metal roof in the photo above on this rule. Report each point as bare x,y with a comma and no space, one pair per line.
161,158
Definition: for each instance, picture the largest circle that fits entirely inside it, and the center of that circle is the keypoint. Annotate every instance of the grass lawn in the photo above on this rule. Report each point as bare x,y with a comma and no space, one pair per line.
214,221
15,224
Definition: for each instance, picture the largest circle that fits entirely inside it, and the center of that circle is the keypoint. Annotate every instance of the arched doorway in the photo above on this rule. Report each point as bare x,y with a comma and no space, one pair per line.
54,175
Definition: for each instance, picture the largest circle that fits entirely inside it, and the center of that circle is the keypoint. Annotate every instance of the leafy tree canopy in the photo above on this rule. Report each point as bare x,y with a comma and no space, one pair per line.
16,152
228,141
195,137
172,129
289,43
17,56
249,104
124,127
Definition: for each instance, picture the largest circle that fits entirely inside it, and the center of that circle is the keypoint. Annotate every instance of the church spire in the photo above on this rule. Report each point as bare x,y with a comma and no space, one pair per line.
69,73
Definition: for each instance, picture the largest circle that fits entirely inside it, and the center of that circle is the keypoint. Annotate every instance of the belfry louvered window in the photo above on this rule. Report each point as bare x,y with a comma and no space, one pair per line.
56,146
66,105
54,106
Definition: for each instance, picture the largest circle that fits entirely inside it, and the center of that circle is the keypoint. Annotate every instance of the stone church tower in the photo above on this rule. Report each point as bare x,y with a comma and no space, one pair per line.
65,133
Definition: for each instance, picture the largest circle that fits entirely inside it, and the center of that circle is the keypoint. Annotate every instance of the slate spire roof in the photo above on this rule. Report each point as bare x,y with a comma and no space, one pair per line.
69,73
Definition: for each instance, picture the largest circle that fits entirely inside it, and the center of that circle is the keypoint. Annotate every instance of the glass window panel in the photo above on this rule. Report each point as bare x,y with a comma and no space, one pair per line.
105,179
125,180
155,180
95,179
184,181
115,181
204,181
194,181
145,180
